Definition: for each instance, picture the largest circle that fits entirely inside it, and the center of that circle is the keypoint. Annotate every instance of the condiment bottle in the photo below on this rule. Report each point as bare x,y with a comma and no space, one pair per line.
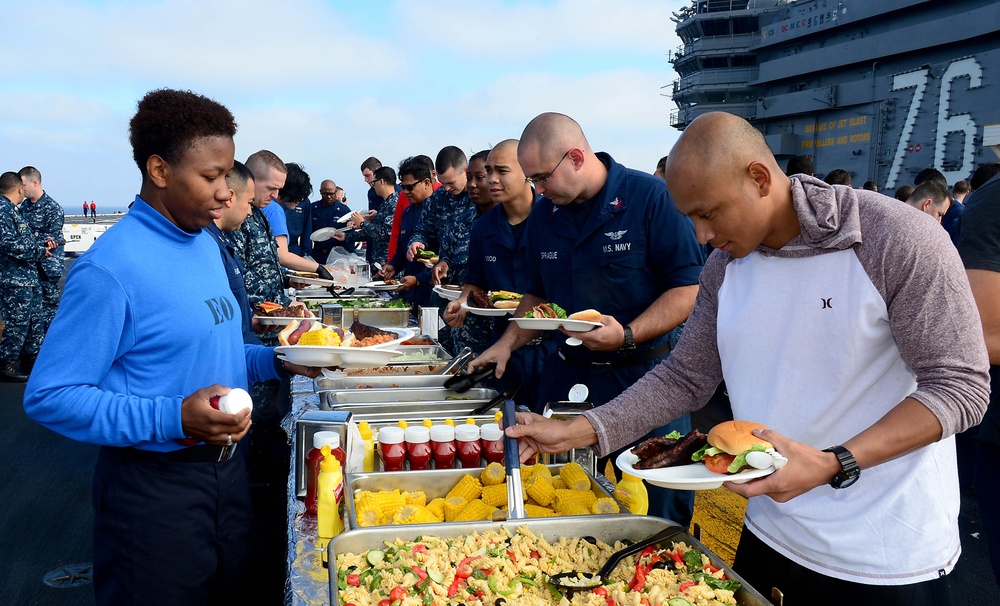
443,446
631,493
329,516
467,441
427,423
470,421
391,448
449,422
491,438
313,459
418,447
402,424
366,434
497,417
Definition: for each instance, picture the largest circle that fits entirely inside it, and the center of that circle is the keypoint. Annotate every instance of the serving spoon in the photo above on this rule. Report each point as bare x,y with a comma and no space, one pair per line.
582,581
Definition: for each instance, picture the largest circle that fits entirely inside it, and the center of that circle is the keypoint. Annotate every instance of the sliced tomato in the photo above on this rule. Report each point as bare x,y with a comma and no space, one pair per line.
686,585
398,593
600,591
354,580
419,548
719,463
385,602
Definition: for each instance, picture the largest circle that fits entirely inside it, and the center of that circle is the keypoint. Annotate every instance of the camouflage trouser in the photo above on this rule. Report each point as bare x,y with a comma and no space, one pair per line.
22,317
474,333
51,293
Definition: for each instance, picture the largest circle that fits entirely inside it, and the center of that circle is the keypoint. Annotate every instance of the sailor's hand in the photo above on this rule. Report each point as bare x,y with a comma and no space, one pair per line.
439,272
412,251
537,435
408,283
454,314
806,469
609,337
203,423
498,354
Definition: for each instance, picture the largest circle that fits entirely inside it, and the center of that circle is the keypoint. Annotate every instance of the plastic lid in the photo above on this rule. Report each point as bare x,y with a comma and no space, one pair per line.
491,432
578,393
449,422
365,430
402,424
417,434
498,416
390,435
236,400
467,433
427,423
470,421
442,433
331,438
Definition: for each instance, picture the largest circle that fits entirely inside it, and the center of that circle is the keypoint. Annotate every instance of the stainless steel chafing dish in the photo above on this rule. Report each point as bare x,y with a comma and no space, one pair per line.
432,397
434,483
605,528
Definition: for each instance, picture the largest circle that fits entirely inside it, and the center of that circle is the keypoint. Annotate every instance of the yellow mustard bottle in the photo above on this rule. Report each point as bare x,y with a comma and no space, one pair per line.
427,423
402,424
366,434
631,492
329,517
449,421
470,421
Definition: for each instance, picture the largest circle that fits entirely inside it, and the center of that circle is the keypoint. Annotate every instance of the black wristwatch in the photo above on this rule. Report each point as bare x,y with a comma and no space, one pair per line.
849,470
629,339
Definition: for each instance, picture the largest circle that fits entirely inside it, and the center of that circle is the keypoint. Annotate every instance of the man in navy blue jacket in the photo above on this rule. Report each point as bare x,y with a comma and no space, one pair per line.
609,238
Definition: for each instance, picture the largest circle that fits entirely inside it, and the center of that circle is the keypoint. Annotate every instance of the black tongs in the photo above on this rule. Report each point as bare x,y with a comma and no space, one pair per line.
463,383
333,291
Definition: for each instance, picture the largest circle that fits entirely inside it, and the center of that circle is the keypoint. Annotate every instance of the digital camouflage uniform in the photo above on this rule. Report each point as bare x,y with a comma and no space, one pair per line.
256,247
20,290
448,220
45,216
376,232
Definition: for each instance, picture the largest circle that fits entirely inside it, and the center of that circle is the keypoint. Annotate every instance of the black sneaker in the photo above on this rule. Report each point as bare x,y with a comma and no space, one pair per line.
9,373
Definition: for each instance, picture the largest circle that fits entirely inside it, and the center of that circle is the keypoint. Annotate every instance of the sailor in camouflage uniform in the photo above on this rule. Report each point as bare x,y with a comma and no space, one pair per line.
256,247
20,291
45,216
448,220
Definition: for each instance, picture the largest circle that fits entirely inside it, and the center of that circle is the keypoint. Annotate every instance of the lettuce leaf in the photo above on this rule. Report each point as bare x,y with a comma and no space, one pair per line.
741,459
705,451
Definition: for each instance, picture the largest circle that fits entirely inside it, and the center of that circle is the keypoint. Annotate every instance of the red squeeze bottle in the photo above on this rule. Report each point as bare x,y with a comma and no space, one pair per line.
443,446
492,441
467,441
418,447
313,458
236,400
391,448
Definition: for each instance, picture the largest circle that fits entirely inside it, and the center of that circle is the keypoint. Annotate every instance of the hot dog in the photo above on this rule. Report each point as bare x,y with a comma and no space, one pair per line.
291,334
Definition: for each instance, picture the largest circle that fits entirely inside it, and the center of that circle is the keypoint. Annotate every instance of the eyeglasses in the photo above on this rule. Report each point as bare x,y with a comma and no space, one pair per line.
544,179
409,187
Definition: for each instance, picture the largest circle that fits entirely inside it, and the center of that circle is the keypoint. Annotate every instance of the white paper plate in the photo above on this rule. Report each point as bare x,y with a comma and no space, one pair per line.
381,286
314,281
273,321
687,477
446,293
555,323
345,217
344,357
486,311
321,235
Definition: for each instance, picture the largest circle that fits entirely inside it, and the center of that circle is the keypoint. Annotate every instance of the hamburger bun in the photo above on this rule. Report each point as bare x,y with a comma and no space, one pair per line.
587,315
734,437
506,304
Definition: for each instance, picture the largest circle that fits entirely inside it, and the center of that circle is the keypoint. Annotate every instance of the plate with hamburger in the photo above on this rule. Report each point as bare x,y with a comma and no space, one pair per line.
274,314
696,461
311,343
492,303
549,316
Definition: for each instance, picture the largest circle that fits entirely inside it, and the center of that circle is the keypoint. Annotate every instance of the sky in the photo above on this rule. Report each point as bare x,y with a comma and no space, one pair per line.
329,83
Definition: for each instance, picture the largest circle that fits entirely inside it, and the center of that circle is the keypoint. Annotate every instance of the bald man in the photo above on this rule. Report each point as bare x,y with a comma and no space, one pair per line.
836,317
603,237
498,260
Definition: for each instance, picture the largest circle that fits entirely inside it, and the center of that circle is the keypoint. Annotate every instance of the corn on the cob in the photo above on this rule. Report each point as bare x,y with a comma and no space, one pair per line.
574,509
565,497
542,469
418,497
558,483
413,514
452,507
604,505
493,474
475,510
537,511
468,488
384,503
540,490
574,476
436,507
495,495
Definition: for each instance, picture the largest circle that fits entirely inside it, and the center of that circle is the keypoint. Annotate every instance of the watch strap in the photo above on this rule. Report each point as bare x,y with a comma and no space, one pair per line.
629,338
849,470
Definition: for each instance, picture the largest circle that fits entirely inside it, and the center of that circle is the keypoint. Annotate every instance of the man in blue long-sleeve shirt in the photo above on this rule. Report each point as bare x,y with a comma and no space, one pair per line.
172,520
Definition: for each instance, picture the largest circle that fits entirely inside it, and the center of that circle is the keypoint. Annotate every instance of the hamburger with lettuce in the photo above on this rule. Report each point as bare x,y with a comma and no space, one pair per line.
728,445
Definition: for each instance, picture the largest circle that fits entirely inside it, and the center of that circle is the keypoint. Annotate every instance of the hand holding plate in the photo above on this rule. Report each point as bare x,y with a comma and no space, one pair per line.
608,337
806,469
454,314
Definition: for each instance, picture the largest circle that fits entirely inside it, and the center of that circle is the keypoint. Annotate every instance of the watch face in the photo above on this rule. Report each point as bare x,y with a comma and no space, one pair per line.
846,478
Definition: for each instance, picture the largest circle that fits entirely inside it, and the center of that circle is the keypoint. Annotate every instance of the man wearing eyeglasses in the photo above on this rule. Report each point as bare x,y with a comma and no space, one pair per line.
415,181
608,238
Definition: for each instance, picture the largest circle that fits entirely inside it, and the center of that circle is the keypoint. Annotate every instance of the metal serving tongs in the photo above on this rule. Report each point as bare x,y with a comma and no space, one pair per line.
457,363
512,460
463,383
582,581
507,395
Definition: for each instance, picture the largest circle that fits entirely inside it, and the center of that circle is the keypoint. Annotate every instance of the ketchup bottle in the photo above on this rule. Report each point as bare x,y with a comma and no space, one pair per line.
391,448
418,447
492,443
313,459
467,441
443,446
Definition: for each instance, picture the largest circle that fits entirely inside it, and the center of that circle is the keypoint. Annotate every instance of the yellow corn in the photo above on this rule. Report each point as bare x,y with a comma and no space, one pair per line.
539,468
537,511
476,510
413,514
565,497
495,495
468,488
384,503
452,507
526,472
574,509
604,505
558,483
540,490
574,476
493,474
415,498
325,337
436,507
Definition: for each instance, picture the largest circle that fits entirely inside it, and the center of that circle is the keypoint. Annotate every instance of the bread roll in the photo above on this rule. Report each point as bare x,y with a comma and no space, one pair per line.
587,315
505,304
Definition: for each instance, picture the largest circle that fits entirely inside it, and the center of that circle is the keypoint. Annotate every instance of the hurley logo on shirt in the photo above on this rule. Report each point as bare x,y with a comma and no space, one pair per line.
221,308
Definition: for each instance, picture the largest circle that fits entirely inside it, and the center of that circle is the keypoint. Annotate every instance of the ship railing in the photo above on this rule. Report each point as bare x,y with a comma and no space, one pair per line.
716,77
732,42
682,116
